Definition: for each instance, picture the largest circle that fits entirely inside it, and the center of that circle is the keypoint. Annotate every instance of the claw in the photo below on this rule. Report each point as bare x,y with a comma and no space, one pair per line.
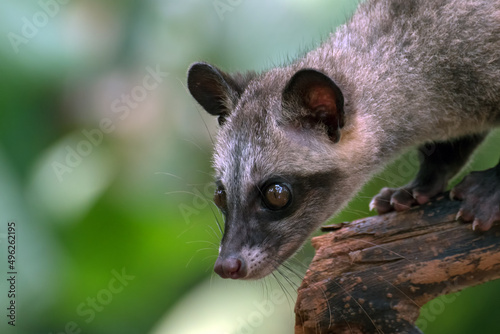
476,225
459,215
400,206
372,205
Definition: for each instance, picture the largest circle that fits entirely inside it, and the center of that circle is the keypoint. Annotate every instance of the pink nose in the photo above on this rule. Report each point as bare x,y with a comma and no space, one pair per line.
230,267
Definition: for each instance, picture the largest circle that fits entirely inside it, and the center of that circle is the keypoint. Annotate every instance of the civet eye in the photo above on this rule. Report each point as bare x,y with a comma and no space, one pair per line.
220,198
277,196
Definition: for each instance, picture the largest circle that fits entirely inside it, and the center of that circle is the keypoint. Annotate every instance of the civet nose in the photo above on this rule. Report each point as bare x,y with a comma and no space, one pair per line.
230,267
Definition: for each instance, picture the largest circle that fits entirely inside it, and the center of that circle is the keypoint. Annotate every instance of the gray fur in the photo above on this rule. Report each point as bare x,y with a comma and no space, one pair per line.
410,71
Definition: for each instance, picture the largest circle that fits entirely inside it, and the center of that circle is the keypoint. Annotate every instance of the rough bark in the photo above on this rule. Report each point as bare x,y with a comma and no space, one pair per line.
374,274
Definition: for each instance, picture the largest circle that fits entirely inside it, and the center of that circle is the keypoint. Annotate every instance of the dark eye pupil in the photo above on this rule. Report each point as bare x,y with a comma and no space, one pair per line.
277,196
220,198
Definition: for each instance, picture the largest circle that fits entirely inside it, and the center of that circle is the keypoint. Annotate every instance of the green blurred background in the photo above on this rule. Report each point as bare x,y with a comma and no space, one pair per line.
105,167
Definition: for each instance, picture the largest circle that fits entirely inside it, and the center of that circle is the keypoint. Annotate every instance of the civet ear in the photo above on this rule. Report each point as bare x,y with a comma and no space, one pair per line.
216,91
320,100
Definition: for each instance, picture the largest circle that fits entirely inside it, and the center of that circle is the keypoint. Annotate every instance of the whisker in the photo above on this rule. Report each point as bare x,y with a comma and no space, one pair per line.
283,288
201,241
382,247
330,308
217,237
194,144
359,305
204,172
216,219
402,292
194,255
170,174
183,84
184,192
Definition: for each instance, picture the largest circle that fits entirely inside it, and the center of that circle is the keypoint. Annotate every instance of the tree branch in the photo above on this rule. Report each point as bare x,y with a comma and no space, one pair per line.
373,275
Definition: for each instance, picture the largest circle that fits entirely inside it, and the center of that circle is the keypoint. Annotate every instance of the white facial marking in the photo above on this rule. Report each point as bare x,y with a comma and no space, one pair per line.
257,261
